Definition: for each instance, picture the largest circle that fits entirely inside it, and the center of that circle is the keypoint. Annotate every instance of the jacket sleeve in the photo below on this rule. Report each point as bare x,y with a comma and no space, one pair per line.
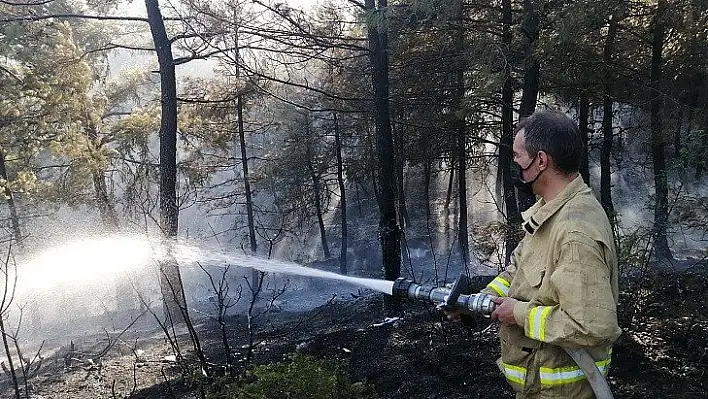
586,313
499,287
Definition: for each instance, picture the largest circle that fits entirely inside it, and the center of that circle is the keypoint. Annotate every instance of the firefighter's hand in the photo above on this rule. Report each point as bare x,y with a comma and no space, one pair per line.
505,310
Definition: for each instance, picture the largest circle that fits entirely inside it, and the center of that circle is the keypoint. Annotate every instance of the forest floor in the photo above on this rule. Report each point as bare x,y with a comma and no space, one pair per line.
662,353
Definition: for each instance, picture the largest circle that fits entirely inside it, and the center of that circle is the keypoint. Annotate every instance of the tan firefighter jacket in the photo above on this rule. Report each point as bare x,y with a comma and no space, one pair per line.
564,273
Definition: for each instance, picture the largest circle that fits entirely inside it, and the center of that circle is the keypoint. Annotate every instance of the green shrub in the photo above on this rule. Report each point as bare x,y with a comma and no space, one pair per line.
300,376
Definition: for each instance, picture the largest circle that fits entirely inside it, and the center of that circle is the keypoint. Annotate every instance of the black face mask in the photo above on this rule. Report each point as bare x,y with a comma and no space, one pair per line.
518,180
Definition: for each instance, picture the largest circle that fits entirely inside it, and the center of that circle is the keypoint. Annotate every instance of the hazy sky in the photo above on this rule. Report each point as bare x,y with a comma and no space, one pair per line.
122,59
137,7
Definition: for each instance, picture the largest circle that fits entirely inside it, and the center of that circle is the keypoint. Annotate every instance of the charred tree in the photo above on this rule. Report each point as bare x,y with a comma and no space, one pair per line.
316,188
530,29
13,372
342,197
8,294
253,244
170,278
172,289
583,120
246,181
463,234
607,126
255,274
661,206
461,133
513,216
389,233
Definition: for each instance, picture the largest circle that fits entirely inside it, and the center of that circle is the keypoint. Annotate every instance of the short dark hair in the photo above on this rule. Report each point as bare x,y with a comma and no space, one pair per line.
557,135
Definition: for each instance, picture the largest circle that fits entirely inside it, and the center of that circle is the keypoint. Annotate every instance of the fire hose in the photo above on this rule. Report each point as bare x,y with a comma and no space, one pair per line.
481,303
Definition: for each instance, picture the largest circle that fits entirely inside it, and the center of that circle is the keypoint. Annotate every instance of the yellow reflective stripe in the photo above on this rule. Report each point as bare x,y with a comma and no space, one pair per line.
567,375
532,322
515,374
537,322
544,316
603,365
500,286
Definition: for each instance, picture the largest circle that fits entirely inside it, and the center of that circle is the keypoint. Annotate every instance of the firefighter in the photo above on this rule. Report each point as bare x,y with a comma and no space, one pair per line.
560,288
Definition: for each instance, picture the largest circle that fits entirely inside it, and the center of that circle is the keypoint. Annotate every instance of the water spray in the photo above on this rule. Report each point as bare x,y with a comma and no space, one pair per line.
455,297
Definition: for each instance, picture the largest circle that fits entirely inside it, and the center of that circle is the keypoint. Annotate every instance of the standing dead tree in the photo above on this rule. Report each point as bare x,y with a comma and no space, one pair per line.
8,269
20,367
224,300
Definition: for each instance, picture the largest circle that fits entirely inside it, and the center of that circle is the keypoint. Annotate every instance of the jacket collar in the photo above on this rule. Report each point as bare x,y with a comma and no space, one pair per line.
541,211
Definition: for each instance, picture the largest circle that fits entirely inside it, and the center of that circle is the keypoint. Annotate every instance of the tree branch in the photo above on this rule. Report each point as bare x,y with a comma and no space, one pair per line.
357,3
113,46
73,16
9,72
80,16
29,3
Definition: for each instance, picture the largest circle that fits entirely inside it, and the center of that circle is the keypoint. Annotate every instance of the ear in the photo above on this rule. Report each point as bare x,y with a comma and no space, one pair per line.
543,160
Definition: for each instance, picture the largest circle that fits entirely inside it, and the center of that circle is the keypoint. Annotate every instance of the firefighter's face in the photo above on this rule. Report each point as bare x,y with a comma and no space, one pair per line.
522,158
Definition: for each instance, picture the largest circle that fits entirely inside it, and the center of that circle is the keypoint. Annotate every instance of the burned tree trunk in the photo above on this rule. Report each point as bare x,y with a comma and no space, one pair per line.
530,29
513,216
461,133
677,135
316,183
170,278
389,233
463,234
607,129
661,207
175,302
253,244
255,274
583,119
246,179
7,299
342,198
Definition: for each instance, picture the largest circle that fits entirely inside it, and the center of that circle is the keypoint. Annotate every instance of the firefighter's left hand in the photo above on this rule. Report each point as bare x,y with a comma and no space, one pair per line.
505,310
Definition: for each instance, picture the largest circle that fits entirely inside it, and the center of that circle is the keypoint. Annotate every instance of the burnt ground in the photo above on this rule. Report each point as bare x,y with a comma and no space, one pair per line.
663,352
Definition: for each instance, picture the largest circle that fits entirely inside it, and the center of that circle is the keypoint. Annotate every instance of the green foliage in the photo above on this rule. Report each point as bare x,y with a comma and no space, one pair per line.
300,376
303,152
45,85
633,251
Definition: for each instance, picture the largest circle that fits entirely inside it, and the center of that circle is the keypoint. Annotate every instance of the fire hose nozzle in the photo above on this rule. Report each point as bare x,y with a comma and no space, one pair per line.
400,287
481,303
445,297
